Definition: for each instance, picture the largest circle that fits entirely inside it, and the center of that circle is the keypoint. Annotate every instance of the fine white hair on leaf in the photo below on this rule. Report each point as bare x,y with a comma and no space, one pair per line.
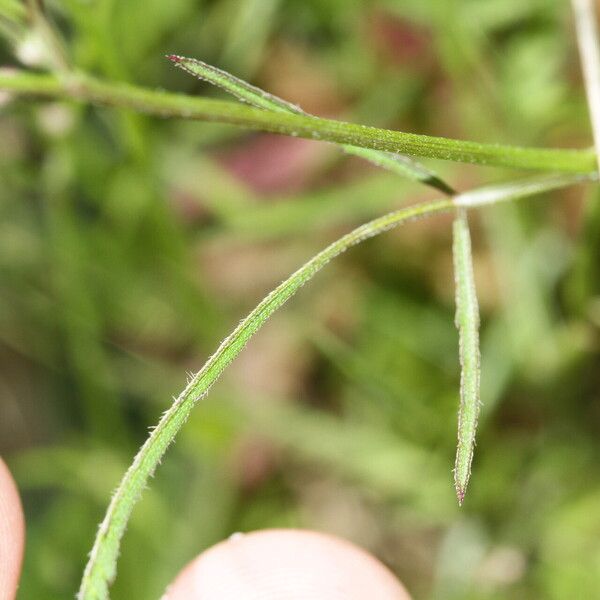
245,92
467,322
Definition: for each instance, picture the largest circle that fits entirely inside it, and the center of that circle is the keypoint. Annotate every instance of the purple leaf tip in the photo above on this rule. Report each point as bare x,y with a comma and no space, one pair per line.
174,58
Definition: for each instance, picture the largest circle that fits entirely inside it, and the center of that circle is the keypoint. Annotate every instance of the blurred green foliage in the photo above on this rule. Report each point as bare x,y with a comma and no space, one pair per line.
130,246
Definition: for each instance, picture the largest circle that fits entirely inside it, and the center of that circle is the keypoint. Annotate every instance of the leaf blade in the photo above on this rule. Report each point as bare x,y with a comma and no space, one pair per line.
467,321
101,568
239,88
259,98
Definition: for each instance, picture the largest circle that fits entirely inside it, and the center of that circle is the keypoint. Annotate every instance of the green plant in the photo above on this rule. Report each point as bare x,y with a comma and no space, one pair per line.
269,113
101,568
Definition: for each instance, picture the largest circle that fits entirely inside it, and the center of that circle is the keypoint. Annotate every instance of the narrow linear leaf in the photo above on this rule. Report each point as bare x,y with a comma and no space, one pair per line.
242,90
403,166
467,322
239,88
101,568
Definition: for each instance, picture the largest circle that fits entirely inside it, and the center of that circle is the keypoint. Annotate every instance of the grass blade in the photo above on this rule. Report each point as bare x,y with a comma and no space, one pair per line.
242,90
467,322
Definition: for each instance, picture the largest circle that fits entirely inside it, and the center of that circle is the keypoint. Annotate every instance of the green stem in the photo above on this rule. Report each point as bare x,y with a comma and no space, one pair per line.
467,322
101,568
589,50
246,92
165,104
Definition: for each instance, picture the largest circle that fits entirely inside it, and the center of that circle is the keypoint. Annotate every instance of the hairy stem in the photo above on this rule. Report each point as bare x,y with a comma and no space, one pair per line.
244,91
165,104
101,568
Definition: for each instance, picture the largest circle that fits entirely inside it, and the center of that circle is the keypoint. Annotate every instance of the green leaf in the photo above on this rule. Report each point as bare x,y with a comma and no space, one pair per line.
467,322
239,88
101,568
401,165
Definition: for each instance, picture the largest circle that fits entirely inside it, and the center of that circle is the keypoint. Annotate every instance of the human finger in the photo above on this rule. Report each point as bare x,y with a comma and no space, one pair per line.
12,535
282,564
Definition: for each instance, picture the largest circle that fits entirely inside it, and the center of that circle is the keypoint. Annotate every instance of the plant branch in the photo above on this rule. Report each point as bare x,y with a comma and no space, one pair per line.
165,104
101,568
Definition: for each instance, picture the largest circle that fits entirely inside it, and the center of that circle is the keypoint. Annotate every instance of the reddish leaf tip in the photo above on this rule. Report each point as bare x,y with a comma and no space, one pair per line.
175,58
460,495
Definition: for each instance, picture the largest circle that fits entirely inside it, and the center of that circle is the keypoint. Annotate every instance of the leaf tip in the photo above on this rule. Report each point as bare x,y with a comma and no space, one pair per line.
175,58
460,494
440,184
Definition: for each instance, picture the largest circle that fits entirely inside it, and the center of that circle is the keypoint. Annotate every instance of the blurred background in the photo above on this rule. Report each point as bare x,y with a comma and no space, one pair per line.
130,246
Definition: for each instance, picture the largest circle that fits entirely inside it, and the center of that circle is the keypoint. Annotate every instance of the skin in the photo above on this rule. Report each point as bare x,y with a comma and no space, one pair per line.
12,535
263,565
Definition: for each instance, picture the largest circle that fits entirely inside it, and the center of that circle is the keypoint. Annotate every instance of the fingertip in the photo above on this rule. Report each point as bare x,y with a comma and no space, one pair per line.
290,564
12,534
